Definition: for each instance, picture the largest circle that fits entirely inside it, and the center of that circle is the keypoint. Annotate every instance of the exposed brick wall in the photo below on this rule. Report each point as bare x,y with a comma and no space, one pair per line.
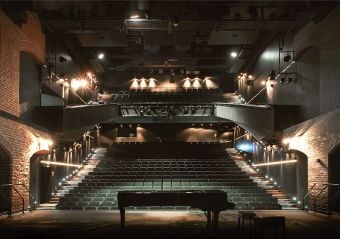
21,142
316,138
18,140
13,39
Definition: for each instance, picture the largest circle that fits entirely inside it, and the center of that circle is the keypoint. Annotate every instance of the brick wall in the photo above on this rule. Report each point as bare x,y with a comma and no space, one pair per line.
20,141
13,39
316,138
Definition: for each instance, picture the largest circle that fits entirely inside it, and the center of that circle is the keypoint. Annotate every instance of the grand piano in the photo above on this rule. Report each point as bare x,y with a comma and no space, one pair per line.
212,202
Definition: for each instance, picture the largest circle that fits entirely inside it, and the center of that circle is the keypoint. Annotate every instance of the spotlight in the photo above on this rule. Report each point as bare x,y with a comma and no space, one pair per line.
233,54
62,59
287,58
101,56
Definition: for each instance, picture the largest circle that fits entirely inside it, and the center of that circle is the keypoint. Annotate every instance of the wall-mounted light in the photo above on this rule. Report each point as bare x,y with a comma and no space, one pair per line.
233,54
100,56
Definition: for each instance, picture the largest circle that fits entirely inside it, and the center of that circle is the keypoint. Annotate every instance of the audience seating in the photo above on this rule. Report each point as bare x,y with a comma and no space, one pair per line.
166,166
168,97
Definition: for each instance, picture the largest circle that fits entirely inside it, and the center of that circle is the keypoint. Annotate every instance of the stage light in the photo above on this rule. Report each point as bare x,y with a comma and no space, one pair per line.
275,163
75,84
196,83
59,164
83,83
187,83
233,54
152,83
100,56
294,199
287,58
143,83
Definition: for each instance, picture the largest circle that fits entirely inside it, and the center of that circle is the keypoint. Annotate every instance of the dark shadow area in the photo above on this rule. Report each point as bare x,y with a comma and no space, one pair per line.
4,179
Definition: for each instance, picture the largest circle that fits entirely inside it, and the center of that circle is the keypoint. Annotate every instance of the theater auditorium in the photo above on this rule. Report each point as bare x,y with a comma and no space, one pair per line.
169,119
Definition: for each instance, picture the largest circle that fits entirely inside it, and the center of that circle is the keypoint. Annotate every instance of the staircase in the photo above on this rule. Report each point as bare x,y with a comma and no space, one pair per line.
71,182
283,199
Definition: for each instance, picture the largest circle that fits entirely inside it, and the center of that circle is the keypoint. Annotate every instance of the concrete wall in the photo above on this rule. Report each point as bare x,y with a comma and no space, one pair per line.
169,132
317,51
316,91
258,120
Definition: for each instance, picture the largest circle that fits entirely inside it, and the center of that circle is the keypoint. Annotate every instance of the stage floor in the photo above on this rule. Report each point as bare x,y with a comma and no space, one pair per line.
156,224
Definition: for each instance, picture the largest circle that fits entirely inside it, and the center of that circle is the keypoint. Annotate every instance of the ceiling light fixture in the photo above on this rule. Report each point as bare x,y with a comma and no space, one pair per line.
233,54
101,56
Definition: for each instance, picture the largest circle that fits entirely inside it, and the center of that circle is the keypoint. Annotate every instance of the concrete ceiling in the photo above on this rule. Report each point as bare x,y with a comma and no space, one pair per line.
207,31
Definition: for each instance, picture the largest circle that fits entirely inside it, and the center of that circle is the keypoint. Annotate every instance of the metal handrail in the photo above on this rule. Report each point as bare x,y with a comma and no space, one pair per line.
29,193
318,195
307,194
326,185
9,205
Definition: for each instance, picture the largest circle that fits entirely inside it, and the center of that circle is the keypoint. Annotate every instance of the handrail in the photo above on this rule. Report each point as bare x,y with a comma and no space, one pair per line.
9,205
29,193
307,194
318,195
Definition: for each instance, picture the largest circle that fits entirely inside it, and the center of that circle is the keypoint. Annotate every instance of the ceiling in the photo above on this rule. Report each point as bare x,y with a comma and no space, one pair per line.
194,35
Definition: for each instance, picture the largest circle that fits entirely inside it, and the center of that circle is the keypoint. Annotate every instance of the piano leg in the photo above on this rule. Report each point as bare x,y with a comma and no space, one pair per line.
215,219
122,218
208,219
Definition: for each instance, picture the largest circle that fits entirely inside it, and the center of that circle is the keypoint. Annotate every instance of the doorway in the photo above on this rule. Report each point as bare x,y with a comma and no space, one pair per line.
40,179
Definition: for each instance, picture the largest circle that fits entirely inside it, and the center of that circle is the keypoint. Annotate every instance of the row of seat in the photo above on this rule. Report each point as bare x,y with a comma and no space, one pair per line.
178,166
202,96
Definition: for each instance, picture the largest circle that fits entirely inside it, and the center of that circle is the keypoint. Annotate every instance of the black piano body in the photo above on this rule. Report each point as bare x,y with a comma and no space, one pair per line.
212,202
